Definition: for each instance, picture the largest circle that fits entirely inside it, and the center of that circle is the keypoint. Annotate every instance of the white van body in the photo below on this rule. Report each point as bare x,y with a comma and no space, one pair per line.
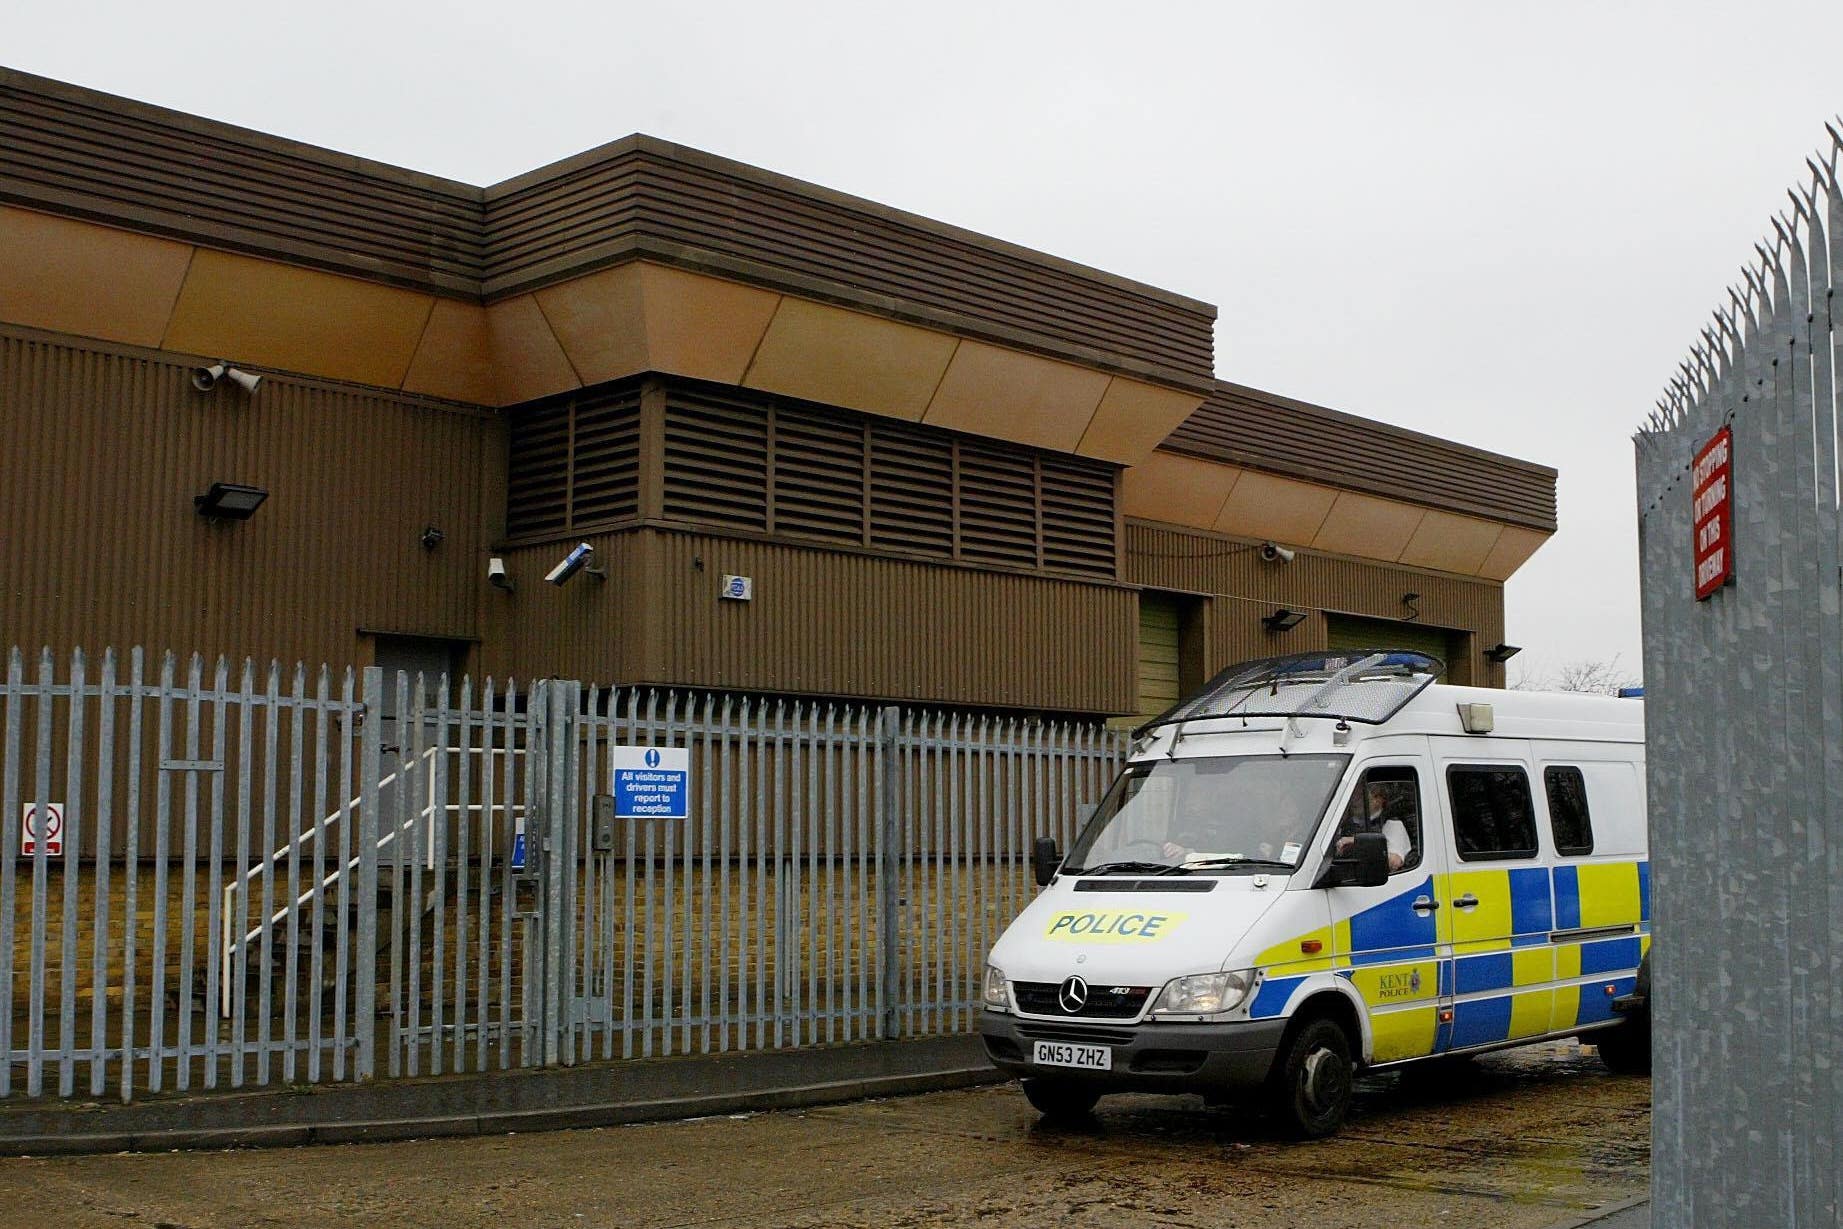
1513,918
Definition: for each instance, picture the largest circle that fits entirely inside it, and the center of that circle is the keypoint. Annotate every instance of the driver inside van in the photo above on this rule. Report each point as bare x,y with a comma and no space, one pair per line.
1193,832
1385,802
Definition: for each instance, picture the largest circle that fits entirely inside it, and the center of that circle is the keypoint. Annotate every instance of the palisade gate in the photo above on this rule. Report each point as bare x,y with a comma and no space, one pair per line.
216,880
1740,527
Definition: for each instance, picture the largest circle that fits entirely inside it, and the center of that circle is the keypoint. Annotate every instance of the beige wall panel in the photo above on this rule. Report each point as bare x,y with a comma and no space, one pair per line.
528,363
599,320
1513,549
1178,490
846,358
703,327
1008,395
94,281
452,359
1263,506
1367,526
1132,419
275,315
1451,543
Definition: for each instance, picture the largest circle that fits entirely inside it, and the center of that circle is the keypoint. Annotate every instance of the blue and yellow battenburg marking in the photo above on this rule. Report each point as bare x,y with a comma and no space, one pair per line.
1389,954
1112,926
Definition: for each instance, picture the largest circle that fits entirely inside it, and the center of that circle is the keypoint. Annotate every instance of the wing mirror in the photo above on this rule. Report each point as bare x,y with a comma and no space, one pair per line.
1364,865
1045,859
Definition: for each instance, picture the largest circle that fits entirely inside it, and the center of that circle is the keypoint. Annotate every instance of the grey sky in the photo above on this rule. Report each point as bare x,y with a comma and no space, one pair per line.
1452,216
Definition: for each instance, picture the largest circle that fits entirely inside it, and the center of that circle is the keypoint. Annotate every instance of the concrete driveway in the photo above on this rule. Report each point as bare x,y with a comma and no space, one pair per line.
1536,1138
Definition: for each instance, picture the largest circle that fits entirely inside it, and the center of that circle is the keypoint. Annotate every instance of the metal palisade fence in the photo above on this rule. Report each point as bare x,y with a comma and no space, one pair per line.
224,877
1740,539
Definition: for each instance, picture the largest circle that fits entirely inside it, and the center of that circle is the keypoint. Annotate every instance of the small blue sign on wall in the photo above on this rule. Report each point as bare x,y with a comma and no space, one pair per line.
652,782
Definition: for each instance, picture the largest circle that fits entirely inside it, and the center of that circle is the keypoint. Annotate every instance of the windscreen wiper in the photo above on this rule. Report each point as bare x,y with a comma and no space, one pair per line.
1127,868
1237,860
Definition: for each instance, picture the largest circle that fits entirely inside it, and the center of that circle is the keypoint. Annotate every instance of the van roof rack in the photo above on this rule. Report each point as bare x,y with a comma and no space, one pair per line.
1365,685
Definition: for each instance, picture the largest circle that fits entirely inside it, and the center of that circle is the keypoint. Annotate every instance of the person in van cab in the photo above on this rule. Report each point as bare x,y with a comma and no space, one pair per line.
1384,803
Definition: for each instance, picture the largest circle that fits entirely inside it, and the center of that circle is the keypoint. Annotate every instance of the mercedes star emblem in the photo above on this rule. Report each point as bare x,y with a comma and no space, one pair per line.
1073,996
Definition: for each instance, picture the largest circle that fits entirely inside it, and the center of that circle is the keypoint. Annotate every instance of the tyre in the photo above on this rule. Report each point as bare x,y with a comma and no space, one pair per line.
1313,1080
1060,1099
1625,1048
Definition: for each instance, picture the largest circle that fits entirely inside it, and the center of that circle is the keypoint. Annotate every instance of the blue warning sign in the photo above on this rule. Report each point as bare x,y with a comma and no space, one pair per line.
652,782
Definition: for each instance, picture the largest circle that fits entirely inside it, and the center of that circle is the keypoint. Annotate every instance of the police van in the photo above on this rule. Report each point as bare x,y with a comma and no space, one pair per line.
1329,863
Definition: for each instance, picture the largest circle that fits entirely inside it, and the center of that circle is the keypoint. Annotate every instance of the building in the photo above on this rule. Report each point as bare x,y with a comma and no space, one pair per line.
953,470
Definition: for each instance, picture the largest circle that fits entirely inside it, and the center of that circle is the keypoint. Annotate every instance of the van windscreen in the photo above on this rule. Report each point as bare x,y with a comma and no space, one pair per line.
1223,815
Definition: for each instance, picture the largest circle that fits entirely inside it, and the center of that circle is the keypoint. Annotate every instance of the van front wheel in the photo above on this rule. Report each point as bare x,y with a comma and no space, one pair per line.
1312,1086
1060,1099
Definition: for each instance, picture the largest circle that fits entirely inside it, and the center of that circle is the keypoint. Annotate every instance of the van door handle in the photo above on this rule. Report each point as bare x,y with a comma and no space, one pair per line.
1424,904
1468,901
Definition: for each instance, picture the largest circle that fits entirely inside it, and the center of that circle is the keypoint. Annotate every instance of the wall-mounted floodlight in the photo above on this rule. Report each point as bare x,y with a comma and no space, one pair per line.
1283,620
497,576
1501,653
579,560
204,379
229,501
1273,552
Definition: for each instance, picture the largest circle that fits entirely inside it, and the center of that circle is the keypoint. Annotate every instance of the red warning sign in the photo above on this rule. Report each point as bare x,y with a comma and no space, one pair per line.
46,822
1712,513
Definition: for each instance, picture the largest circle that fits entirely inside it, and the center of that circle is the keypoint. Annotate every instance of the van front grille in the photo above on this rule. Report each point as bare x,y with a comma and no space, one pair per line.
1043,998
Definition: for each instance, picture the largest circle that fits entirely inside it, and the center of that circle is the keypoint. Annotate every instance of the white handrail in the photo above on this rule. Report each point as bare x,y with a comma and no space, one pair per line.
229,945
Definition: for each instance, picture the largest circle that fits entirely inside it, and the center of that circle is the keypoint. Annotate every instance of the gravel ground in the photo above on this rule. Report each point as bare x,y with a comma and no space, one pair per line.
1537,1137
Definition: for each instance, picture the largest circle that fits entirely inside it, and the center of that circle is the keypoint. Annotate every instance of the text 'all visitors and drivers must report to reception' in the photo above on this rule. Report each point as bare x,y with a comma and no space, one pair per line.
651,782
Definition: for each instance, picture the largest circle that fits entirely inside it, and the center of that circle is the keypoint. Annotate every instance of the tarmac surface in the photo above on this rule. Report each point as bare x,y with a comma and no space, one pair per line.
1531,1139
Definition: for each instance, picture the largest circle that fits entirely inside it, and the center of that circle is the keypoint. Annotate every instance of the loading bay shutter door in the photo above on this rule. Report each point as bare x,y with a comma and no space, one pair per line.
1347,632
1158,654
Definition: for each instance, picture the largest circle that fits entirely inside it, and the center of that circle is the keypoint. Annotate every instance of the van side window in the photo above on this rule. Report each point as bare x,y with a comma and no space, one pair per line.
1387,800
1493,817
1568,818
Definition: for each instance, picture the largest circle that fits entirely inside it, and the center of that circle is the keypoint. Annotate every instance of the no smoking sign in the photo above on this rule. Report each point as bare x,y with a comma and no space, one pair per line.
46,822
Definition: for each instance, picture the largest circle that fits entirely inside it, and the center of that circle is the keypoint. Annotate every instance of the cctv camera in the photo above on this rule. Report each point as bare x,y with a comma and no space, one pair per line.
243,379
203,378
1273,552
496,574
574,562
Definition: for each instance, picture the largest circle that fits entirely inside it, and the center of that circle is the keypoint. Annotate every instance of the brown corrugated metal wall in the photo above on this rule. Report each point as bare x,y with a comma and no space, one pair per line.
1242,588
76,151
693,208
821,623
100,544
1245,426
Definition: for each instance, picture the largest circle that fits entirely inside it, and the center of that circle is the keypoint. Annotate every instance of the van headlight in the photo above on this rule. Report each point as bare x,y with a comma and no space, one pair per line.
996,996
1204,994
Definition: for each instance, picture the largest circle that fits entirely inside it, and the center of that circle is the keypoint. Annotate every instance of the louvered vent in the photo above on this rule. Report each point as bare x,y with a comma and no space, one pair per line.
818,476
1078,516
574,464
998,505
760,464
605,461
716,461
537,482
911,490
